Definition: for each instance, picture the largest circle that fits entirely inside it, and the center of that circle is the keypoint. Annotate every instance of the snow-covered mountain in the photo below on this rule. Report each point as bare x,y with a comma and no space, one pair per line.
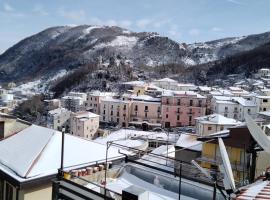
70,47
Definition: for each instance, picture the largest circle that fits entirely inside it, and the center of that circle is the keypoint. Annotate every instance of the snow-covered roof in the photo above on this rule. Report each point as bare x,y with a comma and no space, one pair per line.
182,93
85,114
135,83
36,152
58,111
266,113
263,97
204,88
102,94
189,141
166,80
144,98
217,119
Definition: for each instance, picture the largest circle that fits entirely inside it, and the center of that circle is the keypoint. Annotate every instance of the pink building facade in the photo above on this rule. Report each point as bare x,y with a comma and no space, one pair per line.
180,108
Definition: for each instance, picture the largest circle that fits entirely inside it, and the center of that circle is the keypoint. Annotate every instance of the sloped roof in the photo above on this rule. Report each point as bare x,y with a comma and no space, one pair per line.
217,119
36,152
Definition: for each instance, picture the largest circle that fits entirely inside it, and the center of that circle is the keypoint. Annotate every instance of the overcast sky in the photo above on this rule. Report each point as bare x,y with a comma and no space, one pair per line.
182,20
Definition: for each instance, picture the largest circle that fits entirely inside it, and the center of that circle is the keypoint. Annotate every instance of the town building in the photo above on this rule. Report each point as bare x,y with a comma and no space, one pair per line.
72,103
115,111
58,118
84,124
145,111
210,124
93,100
180,108
263,103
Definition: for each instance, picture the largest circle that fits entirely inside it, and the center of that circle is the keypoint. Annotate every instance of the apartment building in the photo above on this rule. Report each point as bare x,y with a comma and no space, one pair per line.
115,111
72,103
263,103
84,124
209,124
58,118
145,111
93,100
170,84
233,107
180,108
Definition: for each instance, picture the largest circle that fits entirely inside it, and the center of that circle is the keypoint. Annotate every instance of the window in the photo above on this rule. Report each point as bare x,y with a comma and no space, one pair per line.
1,189
226,108
178,117
178,102
225,115
190,118
95,99
117,114
117,120
146,108
145,115
104,112
265,100
200,103
209,128
221,128
248,111
125,107
167,115
103,118
91,99
178,110
136,108
58,121
111,112
112,106
86,104
264,109
191,103
167,101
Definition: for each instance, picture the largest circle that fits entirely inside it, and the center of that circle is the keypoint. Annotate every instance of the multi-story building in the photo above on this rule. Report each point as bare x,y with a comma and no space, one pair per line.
209,124
84,124
180,108
145,111
170,84
233,107
93,100
115,111
72,103
263,103
58,118
51,104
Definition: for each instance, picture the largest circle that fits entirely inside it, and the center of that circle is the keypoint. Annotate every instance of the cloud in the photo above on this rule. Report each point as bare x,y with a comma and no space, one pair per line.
38,9
194,32
216,29
77,15
143,23
8,8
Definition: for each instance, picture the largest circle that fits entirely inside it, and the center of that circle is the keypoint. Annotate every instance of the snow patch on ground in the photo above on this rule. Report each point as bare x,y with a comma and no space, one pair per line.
120,41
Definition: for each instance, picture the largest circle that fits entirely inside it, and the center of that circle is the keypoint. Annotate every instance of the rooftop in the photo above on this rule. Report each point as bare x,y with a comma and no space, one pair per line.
217,119
41,155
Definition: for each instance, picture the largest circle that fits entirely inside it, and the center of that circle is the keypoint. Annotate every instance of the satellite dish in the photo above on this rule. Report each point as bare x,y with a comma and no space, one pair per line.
257,134
206,173
227,168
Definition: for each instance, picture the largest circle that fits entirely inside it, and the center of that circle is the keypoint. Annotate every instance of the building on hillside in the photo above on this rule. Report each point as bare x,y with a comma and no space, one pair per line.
51,104
264,72
10,125
72,103
93,99
115,111
263,103
233,107
210,124
58,118
180,108
145,111
27,169
170,84
84,124
78,94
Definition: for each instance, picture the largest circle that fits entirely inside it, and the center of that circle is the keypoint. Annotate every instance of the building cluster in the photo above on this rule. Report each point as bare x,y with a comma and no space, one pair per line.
142,144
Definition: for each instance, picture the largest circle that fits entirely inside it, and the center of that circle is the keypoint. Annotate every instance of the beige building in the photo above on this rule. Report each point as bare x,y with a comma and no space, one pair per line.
35,157
84,124
93,100
58,118
263,103
115,111
145,111
209,124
